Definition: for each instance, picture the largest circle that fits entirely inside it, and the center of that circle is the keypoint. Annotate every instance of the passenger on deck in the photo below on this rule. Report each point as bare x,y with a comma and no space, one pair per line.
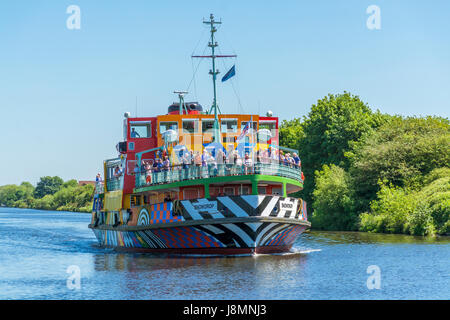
220,160
117,171
212,164
198,163
274,157
238,163
297,160
148,173
205,156
185,162
248,164
265,157
166,163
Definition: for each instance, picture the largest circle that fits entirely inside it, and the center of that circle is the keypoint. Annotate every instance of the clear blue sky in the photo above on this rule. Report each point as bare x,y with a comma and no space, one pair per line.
63,92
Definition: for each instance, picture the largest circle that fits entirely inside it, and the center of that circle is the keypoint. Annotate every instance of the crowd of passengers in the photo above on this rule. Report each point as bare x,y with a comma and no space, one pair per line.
230,159
199,163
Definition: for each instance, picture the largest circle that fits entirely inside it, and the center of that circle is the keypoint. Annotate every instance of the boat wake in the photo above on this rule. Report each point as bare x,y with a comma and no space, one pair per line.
293,251
304,251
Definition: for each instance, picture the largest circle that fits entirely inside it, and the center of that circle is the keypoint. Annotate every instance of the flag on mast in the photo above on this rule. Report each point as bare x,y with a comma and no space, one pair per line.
229,74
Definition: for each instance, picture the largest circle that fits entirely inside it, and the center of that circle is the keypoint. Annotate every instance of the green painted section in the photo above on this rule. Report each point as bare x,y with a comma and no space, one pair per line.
254,187
253,179
207,191
139,154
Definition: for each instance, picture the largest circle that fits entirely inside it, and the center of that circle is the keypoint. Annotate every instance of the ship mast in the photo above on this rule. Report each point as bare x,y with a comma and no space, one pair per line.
214,72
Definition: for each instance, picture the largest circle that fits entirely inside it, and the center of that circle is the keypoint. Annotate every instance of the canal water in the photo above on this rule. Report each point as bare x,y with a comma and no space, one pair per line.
42,252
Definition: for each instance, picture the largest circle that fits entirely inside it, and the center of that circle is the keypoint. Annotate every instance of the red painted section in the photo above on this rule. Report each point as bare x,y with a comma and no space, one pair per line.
184,112
138,145
274,140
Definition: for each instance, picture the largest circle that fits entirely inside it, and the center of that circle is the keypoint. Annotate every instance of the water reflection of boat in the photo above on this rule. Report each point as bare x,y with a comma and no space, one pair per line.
144,262
195,182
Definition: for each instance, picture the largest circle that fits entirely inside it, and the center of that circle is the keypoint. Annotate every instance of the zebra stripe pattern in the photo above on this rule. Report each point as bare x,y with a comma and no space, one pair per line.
210,234
243,206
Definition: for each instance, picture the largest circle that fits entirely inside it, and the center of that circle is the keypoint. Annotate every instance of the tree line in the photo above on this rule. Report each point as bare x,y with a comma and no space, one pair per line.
50,193
370,171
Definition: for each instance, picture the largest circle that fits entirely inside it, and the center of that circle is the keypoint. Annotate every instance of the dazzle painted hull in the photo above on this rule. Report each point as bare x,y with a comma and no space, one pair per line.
223,225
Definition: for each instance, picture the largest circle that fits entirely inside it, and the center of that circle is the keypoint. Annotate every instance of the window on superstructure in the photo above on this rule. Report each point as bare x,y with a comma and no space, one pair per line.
228,191
229,125
252,125
214,191
208,126
245,190
262,190
140,129
190,126
269,126
168,125
276,191
135,201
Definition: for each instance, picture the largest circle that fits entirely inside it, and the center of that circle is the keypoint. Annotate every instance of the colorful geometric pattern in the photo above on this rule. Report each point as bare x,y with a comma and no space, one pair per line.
243,234
192,237
159,213
186,237
143,219
286,237
304,213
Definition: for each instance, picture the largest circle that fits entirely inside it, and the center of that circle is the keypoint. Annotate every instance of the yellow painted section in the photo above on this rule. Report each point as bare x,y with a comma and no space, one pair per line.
105,175
113,200
126,201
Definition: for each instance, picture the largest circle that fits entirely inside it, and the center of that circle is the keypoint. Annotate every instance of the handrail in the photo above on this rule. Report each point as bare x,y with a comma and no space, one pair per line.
180,173
283,148
138,155
113,184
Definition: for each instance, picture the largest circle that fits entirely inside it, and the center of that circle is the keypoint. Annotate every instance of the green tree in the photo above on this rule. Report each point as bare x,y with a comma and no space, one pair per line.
68,197
333,200
48,186
417,211
332,125
11,195
290,132
402,151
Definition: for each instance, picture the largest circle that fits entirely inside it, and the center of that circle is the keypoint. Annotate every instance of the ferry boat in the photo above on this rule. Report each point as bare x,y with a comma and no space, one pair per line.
196,181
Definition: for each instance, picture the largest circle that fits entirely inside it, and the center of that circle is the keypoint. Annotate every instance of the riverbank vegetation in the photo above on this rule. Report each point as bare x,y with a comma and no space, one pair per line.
372,172
50,193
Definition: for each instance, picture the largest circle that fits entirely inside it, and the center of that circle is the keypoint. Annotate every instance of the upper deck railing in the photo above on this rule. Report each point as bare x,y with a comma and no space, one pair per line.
178,173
